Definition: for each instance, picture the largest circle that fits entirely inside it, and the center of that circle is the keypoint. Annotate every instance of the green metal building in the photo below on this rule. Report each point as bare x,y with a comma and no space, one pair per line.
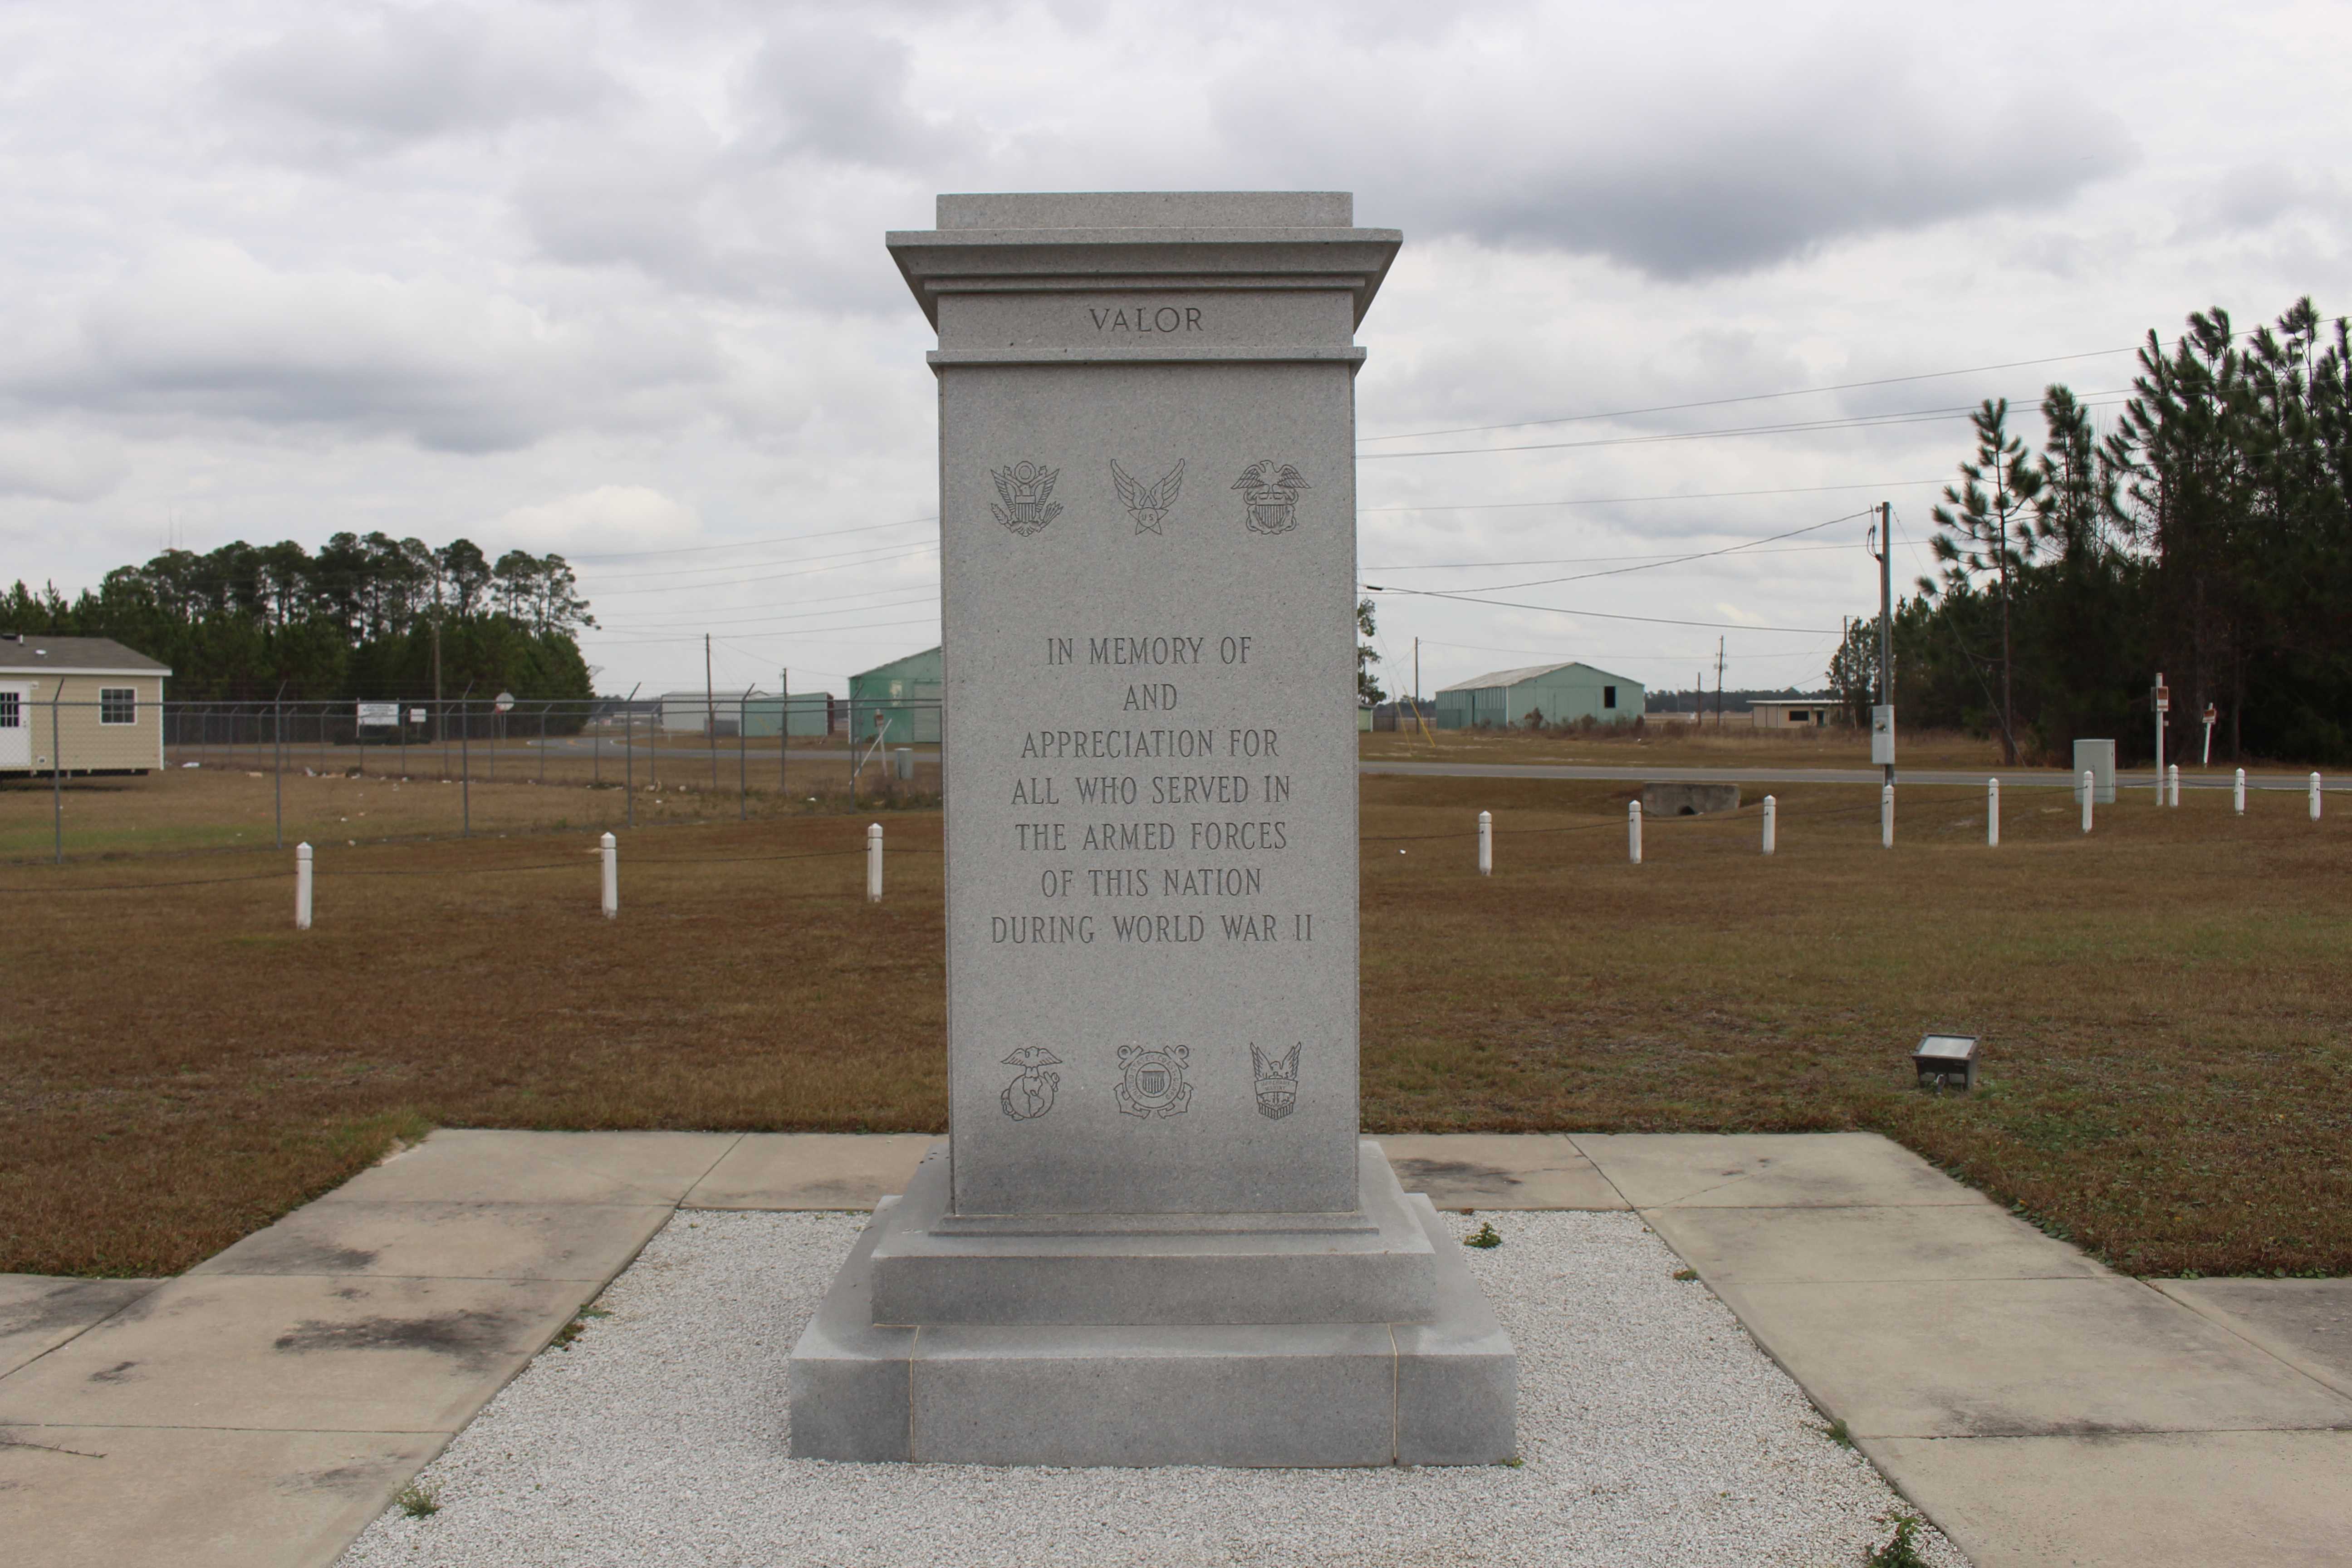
1559,692
907,692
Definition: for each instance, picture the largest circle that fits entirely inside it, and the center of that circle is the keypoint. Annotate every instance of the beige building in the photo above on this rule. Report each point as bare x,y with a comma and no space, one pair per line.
88,700
1802,713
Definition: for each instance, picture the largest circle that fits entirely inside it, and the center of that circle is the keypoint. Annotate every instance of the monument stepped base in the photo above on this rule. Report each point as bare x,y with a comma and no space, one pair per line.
1439,1391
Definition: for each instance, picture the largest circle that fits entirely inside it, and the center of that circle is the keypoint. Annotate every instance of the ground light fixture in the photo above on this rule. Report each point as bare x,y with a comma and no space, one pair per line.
1945,1058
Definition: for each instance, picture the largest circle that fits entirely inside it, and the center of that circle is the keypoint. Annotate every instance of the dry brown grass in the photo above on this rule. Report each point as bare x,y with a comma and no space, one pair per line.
1666,745
2164,1003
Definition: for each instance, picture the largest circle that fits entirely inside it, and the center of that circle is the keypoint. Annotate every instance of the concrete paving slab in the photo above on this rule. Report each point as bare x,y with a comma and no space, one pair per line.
2306,1323
852,1171
1996,1358
462,1164
38,1312
1948,1241
1769,1170
2164,1500
584,1242
118,1496
1499,1171
299,1353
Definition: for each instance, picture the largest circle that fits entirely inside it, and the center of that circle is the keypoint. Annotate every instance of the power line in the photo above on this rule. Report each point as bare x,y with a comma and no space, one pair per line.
1599,615
1628,500
1669,561
749,543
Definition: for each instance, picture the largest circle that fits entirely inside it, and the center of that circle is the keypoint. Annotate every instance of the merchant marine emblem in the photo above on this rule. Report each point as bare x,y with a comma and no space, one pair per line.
1027,489
1154,1085
1031,1095
1277,1082
1148,505
1270,496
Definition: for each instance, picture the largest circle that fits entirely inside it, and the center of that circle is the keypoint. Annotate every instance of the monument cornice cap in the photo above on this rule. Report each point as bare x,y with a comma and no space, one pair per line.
1265,237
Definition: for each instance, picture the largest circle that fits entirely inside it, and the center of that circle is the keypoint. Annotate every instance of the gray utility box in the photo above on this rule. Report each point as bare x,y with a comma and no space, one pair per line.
2096,758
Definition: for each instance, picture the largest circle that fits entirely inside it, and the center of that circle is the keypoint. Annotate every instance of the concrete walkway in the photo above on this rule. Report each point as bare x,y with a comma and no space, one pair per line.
259,1410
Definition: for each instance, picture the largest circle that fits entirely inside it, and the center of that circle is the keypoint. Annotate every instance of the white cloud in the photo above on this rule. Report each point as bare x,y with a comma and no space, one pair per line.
54,464
610,518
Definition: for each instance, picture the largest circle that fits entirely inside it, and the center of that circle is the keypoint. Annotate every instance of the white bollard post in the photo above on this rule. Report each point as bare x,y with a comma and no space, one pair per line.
302,887
1634,831
2172,784
1486,844
1992,813
873,864
1886,817
2090,794
2315,798
1772,822
609,850
2238,792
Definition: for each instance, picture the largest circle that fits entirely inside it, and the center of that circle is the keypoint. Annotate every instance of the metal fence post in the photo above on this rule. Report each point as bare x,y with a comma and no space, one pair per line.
301,886
58,771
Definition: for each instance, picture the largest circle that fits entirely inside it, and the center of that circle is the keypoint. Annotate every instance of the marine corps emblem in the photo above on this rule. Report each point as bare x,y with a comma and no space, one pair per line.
1270,496
1028,490
1155,1083
1277,1082
1147,506
1031,1095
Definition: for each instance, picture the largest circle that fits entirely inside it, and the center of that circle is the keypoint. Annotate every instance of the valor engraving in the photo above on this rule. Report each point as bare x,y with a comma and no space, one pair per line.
1270,496
1154,1085
1027,489
1277,1082
1031,1095
1147,506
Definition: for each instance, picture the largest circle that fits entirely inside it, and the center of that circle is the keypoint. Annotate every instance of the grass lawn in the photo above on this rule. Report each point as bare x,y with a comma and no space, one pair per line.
2165,1003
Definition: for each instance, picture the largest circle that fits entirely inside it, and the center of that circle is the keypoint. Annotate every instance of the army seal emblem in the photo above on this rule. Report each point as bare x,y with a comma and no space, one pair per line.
1277,1082
1270,496
1031,1095
1154,1085
1027,489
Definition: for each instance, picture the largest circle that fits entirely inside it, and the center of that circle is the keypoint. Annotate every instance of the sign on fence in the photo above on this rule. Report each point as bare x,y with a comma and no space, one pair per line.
384,714
417,715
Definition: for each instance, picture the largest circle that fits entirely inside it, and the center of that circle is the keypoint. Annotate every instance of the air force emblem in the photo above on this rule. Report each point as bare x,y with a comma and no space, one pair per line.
1147,506
1027,489
1154,1085
1277,1082
1031,1095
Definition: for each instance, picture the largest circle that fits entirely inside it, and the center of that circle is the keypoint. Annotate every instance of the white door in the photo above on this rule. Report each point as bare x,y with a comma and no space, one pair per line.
15,726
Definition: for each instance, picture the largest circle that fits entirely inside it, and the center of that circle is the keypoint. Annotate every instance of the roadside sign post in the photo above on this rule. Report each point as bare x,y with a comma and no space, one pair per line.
2163,701
2207,761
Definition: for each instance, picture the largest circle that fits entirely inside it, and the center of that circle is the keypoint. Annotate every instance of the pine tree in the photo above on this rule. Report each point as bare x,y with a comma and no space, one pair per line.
1983,531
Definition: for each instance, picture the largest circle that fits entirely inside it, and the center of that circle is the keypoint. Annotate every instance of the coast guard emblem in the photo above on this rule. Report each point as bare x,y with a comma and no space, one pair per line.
1027,489
1277,1082
1154,1085
1147,506
1270,496
1031,1095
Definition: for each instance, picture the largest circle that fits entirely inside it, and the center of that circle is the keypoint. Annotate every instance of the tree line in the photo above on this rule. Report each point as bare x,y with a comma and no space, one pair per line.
2206,534
369,616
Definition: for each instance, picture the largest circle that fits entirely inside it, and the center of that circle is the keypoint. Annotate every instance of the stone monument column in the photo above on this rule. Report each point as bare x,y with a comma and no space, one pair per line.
1154,1235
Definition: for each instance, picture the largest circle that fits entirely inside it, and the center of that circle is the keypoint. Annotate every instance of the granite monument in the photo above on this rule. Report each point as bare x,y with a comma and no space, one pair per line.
1154,1235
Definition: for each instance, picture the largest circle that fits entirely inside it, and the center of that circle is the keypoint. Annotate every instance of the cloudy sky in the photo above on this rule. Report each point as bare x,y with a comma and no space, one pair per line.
607,279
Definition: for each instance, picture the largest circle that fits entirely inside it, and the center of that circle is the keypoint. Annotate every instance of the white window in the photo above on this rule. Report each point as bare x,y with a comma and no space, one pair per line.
12,710
118,705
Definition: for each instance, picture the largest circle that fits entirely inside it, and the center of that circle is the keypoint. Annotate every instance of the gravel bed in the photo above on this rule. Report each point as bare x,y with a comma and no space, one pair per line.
1652,1431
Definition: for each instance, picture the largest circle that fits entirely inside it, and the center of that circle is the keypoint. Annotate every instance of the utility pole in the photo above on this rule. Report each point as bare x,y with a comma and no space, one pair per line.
784,730
1882,725
710,715
1718,686
440,713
